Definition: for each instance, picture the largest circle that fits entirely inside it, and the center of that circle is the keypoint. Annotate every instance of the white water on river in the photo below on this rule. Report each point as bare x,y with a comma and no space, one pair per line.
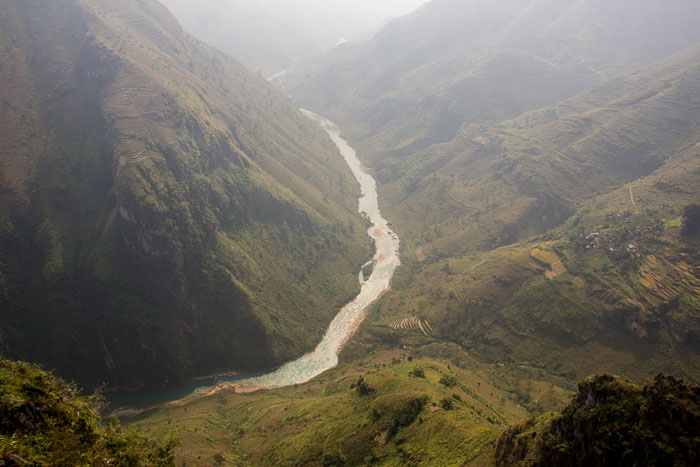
386,259
325,356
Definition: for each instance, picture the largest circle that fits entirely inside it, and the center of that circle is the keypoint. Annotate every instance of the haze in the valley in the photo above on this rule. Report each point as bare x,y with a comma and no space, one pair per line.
268,35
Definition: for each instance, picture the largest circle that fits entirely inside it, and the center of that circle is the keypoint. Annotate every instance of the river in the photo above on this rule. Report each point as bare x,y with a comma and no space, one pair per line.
325,355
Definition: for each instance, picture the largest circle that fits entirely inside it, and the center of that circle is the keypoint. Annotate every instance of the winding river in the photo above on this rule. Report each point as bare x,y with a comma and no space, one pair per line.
346,322
386,259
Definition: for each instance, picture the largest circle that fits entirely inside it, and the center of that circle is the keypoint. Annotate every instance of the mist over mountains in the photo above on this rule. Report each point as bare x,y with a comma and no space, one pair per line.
457,62
270,35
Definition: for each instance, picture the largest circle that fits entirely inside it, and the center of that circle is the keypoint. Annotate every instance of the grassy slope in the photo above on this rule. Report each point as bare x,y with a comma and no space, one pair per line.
160,204
328,420
331,422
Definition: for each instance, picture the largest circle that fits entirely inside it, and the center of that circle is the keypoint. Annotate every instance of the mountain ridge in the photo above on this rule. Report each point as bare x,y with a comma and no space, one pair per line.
451,63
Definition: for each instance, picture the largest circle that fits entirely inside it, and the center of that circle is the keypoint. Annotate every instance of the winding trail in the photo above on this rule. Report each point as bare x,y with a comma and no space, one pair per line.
634,204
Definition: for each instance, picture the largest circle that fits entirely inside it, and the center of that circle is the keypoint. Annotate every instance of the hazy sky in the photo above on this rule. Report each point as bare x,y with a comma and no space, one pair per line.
374,8
268,34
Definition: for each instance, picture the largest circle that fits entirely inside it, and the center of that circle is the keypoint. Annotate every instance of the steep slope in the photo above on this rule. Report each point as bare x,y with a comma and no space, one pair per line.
498,183
164,213
455,62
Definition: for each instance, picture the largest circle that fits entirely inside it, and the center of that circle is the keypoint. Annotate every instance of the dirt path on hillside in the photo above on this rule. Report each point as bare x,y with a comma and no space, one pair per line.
634,204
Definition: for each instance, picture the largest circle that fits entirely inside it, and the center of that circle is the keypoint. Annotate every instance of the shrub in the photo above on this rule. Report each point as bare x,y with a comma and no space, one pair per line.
449,380
447,403
407,413
362,387
43,421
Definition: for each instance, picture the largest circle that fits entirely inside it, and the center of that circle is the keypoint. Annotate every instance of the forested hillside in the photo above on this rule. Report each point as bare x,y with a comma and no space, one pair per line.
612,422
164,213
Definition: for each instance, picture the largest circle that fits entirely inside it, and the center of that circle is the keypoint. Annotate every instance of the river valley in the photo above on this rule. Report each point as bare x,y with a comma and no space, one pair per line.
325,355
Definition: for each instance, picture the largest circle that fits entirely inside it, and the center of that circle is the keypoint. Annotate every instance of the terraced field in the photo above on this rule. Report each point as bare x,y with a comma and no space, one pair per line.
412,323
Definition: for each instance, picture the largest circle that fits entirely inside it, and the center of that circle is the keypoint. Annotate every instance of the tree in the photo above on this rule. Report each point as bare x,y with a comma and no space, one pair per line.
691,219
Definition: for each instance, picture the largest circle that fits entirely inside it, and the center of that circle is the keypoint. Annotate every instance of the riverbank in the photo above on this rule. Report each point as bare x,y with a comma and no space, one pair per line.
347,321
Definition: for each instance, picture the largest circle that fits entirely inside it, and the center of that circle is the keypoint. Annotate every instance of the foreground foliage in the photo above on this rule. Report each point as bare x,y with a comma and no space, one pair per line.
44,422
612,422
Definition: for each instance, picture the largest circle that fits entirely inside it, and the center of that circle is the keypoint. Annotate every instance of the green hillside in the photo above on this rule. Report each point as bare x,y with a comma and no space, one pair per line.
164,213
499,183
559,241
44,422
404,407
390,408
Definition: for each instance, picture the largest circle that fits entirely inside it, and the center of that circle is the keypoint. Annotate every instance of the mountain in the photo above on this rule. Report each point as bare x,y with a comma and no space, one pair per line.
453,62
502,182
535,158
558,241
164,213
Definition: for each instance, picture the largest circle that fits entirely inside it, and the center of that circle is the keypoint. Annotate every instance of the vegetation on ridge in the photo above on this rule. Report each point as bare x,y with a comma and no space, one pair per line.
44,422
612,422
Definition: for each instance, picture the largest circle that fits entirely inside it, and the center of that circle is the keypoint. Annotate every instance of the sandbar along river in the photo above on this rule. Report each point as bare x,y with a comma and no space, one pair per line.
325,355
